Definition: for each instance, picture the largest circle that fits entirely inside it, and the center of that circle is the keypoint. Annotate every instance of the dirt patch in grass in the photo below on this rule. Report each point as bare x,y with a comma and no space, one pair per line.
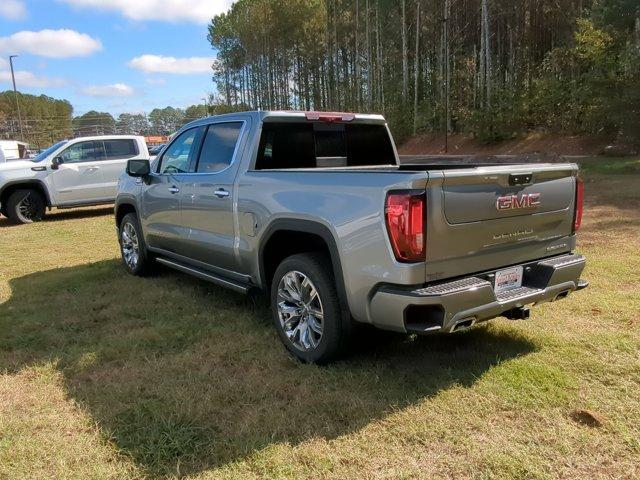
588,418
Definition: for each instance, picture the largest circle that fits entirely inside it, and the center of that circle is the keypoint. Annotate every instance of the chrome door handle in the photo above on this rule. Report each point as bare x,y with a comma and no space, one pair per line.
92,168
174,190
221,193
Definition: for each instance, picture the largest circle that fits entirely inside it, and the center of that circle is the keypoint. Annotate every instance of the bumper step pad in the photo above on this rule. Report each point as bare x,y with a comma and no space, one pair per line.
451,287
516,293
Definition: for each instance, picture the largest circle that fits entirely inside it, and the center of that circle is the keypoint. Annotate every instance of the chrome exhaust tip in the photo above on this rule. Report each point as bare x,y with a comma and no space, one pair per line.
464,324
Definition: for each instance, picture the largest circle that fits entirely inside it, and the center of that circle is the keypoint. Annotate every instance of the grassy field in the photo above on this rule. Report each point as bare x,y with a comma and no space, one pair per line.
103,375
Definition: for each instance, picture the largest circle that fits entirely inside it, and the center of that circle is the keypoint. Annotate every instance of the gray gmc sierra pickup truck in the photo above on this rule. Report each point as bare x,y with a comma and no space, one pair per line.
316,210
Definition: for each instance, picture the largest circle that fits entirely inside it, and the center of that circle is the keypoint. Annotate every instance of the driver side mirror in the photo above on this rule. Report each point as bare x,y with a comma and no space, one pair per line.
138,168
56,162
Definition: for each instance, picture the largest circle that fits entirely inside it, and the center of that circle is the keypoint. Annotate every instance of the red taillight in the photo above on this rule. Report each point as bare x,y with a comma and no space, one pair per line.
577,219
404,214
329,117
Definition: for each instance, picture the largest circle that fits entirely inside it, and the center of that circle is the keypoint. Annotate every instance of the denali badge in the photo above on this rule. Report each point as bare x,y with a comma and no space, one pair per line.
515,202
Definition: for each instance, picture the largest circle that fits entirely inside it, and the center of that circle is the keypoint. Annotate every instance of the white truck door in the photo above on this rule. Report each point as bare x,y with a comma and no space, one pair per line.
117,152
79,178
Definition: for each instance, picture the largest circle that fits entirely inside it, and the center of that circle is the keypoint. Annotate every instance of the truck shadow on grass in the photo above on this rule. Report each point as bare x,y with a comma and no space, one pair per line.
178,372
58,215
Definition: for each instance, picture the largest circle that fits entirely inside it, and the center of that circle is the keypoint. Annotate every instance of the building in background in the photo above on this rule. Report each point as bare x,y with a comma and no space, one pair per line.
154,140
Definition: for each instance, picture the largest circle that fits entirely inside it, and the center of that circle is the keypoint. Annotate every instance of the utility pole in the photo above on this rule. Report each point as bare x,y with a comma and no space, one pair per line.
15,93
206,106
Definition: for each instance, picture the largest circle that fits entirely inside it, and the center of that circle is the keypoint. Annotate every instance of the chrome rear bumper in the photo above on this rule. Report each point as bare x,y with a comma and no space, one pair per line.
448,306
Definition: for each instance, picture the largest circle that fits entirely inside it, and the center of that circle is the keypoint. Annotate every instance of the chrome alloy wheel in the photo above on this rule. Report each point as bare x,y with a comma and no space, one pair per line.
300,310
130,245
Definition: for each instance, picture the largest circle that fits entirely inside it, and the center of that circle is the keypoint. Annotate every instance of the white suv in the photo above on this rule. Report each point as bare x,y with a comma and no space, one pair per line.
72,173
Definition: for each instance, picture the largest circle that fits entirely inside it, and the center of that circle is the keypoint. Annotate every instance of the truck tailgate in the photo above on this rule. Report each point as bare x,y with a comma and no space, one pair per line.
488,217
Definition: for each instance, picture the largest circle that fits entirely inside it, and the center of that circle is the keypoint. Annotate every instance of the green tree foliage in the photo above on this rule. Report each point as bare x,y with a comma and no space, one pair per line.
194,112
45,120
165,121
94,123
132,124
567,65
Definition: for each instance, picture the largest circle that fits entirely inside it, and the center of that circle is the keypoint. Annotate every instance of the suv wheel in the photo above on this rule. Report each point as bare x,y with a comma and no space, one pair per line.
132,247
306,310
25,206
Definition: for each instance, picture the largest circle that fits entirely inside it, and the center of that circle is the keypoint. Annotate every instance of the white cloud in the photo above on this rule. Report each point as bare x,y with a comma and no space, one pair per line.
156,81
196,11
12,9
31,80
115,90
162,64
62,43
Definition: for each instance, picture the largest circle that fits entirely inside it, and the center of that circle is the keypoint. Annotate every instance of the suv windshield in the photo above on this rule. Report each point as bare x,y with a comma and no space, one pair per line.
42,155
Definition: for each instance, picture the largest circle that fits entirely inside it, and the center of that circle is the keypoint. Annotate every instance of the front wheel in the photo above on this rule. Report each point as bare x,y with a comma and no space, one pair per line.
132,247
306,309
25,206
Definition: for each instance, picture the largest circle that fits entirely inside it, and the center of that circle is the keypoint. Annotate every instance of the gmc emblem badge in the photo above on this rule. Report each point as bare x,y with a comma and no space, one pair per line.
515,202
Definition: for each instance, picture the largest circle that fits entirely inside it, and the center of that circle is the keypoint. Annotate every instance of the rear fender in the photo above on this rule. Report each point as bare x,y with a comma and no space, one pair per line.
311,227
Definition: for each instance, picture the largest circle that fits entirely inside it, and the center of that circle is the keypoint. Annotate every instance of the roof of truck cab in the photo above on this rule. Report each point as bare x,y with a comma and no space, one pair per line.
107,137
260,115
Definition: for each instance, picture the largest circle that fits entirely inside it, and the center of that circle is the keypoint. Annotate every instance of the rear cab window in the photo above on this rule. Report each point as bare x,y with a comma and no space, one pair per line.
120,149
294,145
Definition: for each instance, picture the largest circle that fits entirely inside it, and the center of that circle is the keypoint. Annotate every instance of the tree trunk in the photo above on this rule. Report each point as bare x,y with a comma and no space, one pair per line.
447,74
380,56
405,60
416,71
328,61
369,62
356,80
637,28
487,51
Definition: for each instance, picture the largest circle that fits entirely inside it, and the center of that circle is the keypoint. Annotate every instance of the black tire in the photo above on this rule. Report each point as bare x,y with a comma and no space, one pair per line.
336,325
25,206
144,263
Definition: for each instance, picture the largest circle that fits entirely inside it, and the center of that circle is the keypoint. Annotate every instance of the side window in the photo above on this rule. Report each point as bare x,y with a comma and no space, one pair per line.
89,151
218,147
178,155
120,149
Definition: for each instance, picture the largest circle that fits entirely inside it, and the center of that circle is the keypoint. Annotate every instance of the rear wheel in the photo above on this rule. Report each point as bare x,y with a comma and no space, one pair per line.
25,206
306,309
132,247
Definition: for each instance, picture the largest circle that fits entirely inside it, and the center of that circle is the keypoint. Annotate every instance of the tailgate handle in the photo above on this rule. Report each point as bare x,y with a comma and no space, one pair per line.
520,179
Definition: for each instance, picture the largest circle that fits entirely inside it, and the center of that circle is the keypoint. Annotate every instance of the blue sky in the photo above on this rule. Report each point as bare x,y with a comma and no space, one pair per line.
110,55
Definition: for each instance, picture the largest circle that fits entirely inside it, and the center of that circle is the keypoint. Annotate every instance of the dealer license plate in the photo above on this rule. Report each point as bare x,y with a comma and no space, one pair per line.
508,279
